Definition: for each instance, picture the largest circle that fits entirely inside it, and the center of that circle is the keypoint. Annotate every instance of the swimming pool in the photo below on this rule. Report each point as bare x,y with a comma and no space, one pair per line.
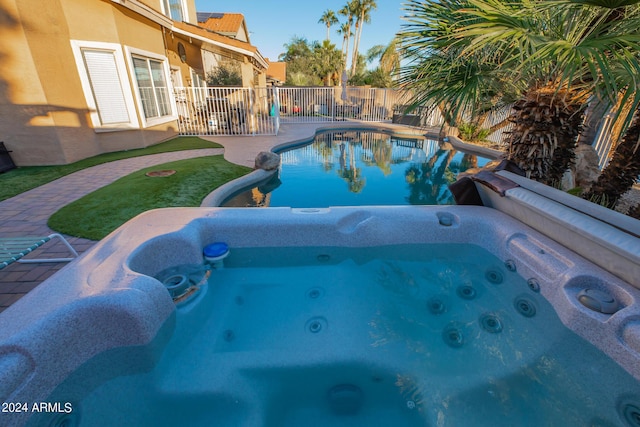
361,167
417,315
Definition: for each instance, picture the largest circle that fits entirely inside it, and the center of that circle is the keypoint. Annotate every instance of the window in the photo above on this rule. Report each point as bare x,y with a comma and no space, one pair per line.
151,74
152,85
196,80
174,10
105,84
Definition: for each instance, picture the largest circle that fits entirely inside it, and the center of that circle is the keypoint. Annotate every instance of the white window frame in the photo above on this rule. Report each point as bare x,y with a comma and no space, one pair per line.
173,116
176,77
183,10
77,46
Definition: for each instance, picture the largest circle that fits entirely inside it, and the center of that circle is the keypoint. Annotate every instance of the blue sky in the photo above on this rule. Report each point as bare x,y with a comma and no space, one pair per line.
272,23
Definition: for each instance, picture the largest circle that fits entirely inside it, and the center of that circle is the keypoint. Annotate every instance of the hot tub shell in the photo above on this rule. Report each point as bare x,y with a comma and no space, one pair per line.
109,298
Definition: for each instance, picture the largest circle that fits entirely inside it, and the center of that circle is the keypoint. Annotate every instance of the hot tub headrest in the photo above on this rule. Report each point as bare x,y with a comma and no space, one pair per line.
465,192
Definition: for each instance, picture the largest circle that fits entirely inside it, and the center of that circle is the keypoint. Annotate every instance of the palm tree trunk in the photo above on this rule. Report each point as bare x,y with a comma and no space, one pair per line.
634,212
354,58
499,126
622,171
547,123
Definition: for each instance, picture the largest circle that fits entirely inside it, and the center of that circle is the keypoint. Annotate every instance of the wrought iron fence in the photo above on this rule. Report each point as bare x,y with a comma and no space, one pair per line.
309,105
498,117
226,111
259,111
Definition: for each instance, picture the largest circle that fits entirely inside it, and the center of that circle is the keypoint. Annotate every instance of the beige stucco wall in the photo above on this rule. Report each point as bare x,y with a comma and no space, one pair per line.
262,79
193,56
44,118
246,69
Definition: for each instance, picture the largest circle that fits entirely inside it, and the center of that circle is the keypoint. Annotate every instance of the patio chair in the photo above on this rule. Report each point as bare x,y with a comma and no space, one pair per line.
12,249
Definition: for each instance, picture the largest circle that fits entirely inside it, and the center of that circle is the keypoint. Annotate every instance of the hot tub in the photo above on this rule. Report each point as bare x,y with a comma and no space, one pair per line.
429,315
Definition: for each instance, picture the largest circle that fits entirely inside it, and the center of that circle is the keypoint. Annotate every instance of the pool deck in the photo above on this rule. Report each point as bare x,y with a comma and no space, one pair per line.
27,214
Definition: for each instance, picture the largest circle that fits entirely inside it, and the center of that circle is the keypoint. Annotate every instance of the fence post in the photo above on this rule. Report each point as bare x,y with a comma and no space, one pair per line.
333,107
252,113
384,105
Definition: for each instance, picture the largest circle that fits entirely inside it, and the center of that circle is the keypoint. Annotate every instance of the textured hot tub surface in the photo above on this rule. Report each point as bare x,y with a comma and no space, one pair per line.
314,327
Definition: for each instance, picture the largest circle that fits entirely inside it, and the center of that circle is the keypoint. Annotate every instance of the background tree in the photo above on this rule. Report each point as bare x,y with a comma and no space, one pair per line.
328,18
327,62
362,11
383,75
227,73
348,11
345,31
298,56
310,64
388,56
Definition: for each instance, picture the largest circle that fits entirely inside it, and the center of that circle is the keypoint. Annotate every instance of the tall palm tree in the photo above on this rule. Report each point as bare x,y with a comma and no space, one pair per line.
345,30
328,18
348,11
554,54
362,9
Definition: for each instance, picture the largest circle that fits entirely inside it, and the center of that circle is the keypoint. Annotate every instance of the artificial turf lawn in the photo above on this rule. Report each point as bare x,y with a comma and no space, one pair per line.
22,179
97,214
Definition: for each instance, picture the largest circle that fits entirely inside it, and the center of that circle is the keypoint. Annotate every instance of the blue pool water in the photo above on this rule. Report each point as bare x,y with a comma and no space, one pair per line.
357,168
402,335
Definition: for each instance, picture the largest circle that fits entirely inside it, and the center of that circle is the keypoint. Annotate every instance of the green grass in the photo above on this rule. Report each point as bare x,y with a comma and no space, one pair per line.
97,214
22,179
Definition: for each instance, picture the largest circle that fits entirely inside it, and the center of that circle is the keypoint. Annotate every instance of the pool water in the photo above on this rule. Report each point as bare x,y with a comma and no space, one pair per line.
402,335
357,168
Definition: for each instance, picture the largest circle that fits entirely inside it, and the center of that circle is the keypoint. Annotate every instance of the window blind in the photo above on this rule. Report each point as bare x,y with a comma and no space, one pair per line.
106,86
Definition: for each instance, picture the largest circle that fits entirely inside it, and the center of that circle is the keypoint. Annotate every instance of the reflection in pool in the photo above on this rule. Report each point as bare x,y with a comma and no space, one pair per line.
356,168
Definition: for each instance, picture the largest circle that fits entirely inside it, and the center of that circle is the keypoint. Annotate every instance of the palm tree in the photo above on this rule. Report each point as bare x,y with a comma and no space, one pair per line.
464,86
362,10
552,55
328,18
389,56
349,171
622,171
349,11
345,30
327,61
428,181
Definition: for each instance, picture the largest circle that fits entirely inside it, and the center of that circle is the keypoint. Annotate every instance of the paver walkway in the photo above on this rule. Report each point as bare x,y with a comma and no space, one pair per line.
27,214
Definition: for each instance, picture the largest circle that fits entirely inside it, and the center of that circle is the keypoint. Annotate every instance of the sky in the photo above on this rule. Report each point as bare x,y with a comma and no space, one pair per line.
272,23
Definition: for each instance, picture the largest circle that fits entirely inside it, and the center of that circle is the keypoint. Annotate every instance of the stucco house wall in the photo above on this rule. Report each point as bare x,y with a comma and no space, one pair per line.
45,113
80,78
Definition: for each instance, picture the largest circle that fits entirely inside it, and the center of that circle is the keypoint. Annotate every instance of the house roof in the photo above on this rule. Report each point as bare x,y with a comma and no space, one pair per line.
220,40
224,23
203,16
277,70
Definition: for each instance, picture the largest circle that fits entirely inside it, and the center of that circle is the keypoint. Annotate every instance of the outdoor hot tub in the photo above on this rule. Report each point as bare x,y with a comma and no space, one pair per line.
407,316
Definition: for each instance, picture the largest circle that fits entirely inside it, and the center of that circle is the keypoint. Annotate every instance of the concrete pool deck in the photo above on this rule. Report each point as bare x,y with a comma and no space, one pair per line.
27,214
